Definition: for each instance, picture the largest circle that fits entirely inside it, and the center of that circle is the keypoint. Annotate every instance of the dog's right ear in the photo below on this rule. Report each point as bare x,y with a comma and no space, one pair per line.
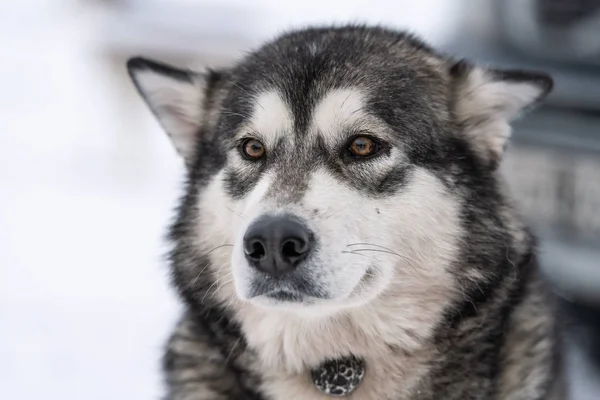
488,100
176,97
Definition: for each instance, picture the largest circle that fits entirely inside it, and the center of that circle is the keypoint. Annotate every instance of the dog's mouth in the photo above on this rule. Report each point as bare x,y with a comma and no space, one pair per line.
294,288
285,296
310,298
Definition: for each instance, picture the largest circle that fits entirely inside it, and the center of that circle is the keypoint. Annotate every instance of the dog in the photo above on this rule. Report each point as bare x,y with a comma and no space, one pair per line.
344,214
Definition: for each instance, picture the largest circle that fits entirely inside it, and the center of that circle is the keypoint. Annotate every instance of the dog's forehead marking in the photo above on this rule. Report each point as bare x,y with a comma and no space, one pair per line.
337,109
271,117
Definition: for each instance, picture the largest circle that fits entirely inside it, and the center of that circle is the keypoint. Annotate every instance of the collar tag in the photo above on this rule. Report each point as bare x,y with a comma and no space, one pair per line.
339,377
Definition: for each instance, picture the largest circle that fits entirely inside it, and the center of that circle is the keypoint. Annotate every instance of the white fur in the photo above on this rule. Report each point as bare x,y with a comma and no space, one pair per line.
271,118
177,105
337,109
492,103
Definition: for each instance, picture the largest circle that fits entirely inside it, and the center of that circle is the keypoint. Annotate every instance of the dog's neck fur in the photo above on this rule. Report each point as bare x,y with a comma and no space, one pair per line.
295,343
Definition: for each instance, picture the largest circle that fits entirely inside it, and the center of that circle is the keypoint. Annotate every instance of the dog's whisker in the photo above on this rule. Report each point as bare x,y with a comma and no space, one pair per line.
378,251
249,94
410,262
234,300
216,248
198,276
228,358
220,282
236,213
381,251
358,251
356,254
369,244
207,264
216,282
208,291
222,279
226,112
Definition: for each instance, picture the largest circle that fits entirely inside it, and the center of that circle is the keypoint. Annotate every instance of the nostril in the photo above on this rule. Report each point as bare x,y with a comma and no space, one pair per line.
256,250
294,248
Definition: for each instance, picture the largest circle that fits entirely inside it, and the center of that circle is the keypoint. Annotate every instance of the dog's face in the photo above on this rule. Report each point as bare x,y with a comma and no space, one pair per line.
330,164
338,199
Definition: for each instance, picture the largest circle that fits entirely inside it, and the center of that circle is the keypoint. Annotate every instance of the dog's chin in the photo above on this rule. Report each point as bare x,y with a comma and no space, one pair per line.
284,299
310,306
294,303
301,294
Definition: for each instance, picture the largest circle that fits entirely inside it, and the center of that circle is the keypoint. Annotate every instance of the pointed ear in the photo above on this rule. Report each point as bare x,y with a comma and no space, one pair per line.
487,100
175,96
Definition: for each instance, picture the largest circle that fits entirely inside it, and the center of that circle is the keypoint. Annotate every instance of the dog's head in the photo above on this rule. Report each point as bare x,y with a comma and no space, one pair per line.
332,165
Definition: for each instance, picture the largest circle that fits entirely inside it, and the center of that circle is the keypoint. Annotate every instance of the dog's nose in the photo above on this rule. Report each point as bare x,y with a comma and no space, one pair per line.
276,245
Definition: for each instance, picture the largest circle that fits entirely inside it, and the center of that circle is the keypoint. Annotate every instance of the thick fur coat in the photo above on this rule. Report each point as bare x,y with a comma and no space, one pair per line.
419,263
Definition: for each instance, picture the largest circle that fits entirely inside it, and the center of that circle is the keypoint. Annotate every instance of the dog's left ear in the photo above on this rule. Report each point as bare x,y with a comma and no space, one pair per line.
176,97
487,100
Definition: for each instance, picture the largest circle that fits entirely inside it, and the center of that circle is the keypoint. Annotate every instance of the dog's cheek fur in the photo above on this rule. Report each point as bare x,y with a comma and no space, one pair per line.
215,232
354,230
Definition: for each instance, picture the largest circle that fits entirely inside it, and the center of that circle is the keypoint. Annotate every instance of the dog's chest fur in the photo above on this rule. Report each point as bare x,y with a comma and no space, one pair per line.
394,345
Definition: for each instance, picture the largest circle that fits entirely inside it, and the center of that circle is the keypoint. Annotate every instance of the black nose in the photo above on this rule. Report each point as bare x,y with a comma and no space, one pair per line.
276,245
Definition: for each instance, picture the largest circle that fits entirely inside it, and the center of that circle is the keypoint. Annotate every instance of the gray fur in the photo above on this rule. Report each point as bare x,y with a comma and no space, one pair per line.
449,302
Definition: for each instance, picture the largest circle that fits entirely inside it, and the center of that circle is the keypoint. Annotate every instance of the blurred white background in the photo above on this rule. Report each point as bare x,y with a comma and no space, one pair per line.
87,180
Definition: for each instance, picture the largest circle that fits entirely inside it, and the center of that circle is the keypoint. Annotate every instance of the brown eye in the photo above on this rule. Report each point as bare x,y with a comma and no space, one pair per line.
253,149
363,146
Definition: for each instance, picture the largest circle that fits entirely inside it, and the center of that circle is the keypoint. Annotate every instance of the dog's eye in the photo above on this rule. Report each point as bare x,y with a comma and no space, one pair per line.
252,149
363,146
